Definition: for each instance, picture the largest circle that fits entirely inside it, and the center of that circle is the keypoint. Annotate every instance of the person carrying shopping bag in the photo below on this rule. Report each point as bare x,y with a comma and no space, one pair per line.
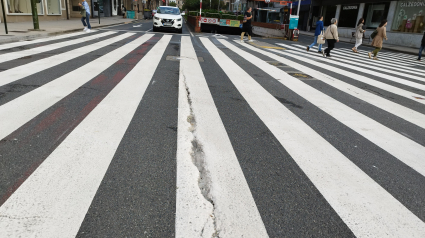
378,39
331,35
317,33
359,35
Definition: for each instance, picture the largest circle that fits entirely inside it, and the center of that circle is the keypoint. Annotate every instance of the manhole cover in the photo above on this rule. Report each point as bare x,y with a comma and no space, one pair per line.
299,75
276,63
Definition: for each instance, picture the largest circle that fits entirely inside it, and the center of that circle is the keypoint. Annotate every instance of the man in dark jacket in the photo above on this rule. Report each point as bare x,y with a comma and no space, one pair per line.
319,29
422,47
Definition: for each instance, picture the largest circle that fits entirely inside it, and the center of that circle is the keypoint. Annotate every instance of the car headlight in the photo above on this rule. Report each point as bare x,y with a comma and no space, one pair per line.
157,18
179,19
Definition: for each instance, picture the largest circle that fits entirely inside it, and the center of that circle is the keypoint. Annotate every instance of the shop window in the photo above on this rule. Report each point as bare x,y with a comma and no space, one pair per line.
23,7
374,13
409,16
328,13
348,15
53,7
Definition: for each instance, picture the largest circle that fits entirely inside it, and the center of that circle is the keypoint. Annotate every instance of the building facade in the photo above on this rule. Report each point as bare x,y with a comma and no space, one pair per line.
406,19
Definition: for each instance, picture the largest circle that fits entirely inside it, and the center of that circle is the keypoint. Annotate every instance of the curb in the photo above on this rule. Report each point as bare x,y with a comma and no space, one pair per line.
396,50
43,35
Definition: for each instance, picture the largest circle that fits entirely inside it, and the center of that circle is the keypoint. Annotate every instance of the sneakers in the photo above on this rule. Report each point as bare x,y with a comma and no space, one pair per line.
242,41
88,30
308,48
323,53
250,41
85,29
370,55
375,58
419,59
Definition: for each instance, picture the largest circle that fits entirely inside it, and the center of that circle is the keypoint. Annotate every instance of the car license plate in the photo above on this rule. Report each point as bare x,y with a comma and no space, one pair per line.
167,24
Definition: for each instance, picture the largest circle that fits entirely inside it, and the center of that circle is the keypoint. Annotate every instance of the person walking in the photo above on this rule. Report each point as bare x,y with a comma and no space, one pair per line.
331,35
359,35
422,48
86,18
124,10
319,29
378,40
247,25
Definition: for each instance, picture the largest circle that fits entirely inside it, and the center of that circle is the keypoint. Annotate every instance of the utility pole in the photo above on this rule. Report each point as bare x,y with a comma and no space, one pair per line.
4,17
34,15
299,6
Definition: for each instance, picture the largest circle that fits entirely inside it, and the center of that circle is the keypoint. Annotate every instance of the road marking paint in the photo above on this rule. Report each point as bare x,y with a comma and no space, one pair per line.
401,147
22,43
235,212
46,48
54,200
16,113
387,105
366,208
382,65
360,78
25,70
363,54
363,70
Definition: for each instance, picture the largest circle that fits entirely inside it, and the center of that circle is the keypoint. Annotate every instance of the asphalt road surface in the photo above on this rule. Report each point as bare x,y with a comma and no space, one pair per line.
123,132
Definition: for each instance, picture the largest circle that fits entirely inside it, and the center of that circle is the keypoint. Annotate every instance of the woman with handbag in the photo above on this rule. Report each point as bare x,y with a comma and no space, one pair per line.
378,37
359,35
247,25
331,35
318,35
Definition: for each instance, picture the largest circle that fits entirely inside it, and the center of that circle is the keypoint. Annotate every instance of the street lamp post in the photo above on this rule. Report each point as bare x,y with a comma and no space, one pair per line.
4,17
34,15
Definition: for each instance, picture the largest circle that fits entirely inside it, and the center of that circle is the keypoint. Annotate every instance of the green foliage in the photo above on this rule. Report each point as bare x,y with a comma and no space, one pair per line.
172,4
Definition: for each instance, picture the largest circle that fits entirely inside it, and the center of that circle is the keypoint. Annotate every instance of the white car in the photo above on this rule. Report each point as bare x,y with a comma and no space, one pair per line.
168,18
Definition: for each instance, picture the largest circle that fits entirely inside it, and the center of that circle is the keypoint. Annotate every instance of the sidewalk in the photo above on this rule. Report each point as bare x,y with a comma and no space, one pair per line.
403,49
20,30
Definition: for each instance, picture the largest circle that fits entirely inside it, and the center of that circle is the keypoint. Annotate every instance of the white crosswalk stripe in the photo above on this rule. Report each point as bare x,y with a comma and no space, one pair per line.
382,65
25,70
363,70
42,49
214,194
23,43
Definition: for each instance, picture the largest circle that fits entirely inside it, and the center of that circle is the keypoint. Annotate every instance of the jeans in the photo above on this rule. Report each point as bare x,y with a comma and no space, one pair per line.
86,19
331,45
375,52
358,42
315,42
420,51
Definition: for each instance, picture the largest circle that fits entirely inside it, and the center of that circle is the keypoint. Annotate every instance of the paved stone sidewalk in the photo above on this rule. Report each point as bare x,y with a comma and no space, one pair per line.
20,30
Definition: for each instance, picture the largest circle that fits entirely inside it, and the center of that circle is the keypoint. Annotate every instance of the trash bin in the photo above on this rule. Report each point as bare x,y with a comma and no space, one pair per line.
130,15
148,14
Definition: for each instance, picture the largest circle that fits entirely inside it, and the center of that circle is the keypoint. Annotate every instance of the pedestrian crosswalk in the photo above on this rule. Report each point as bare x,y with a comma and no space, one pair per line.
161,135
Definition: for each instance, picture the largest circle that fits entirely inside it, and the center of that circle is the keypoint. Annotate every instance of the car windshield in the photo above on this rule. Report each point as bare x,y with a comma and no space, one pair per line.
168,10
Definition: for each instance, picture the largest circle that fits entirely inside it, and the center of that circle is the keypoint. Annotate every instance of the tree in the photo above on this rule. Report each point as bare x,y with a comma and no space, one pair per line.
172,4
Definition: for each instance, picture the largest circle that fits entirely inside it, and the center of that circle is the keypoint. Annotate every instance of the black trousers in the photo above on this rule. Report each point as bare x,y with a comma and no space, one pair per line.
247,29
331,45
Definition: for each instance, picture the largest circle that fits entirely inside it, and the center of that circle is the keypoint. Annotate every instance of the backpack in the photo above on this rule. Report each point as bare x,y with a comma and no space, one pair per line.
83,11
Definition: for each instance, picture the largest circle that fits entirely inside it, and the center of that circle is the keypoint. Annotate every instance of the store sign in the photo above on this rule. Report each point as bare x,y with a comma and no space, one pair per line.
412,4
208,20
231,23
349,8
